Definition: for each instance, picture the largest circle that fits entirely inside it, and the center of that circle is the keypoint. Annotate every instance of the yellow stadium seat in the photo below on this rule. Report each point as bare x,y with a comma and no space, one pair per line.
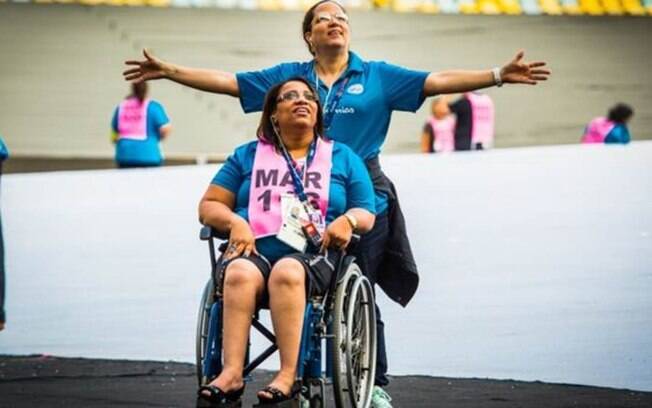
468,7
158,3
551,7
270,5
633,7
428,7
511,7
592,7
489,7
613,7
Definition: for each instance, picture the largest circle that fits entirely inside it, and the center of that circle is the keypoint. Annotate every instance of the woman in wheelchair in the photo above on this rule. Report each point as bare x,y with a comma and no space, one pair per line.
289,202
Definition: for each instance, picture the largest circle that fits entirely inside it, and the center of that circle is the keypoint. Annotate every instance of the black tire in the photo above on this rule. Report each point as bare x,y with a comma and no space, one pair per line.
202,330
354,342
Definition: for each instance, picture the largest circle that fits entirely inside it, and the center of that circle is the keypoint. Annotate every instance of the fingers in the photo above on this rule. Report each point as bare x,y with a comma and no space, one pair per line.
519,56
540,72
133,62
147,54
536,64
325,241
131,71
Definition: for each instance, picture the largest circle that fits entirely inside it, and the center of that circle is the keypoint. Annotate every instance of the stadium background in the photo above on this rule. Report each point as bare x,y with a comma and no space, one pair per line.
61,64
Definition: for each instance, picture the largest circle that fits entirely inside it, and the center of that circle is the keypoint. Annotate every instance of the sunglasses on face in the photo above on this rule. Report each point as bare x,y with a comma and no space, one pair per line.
294,95
324,17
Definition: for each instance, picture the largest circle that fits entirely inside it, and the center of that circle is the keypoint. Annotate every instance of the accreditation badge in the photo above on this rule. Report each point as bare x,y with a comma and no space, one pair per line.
294,216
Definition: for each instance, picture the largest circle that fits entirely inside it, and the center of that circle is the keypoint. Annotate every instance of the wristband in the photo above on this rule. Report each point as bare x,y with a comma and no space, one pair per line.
352,221
497,79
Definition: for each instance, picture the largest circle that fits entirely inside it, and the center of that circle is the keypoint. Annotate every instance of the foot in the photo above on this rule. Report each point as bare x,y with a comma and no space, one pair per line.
380,398
230,385
280,389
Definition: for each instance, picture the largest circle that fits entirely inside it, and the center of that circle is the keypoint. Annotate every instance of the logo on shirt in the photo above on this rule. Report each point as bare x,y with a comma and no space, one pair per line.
355,89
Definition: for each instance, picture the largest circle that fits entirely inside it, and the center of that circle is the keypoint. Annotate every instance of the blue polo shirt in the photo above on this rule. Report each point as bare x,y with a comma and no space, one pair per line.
350,187
373,89
142,152
619,134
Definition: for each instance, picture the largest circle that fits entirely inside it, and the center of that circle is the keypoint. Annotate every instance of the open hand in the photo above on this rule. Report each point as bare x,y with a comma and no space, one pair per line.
149,68
519,72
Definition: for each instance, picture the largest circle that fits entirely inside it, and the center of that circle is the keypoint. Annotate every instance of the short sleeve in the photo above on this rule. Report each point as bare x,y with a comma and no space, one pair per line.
159,116
360,190
253,85
231,175
403,88
114,121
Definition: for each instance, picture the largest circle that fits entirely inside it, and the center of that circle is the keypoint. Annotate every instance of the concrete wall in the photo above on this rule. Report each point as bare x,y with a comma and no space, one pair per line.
535,264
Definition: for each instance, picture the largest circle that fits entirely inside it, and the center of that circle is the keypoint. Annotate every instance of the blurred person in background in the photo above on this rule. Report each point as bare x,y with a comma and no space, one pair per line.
474,129
610,129
358,98
4,155
438,134
138,126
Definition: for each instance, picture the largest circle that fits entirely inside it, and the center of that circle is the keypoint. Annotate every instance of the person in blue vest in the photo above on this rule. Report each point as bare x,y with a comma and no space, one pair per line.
358,98
4,155
264,197
138,126
611,129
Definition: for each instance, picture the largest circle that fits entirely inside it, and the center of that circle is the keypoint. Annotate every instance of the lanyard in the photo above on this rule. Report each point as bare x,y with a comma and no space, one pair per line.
329,108
294,172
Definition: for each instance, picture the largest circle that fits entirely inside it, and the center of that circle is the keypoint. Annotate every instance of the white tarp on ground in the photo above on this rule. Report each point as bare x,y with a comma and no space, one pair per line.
536,264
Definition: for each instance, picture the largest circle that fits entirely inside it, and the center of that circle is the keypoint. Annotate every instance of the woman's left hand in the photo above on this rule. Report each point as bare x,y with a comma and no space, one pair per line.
338,234
519,72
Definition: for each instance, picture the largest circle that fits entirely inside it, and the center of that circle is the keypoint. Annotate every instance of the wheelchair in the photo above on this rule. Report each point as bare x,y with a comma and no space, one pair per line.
343,320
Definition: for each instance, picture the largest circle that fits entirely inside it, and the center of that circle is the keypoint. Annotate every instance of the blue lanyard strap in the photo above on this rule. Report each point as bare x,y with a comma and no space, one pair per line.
329,109
293,168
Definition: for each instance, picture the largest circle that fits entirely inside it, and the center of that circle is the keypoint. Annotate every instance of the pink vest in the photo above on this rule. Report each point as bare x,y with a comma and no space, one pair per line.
597,130
482,114
132,119
270,178
443,131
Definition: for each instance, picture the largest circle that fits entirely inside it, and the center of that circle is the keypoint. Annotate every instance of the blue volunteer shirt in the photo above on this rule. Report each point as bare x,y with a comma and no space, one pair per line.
350,187
142,152
373,90
4,152
619,134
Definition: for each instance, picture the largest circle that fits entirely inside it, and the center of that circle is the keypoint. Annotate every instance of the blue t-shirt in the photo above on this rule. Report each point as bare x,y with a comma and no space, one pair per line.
373,90
619,134
4,152
142,152
350,187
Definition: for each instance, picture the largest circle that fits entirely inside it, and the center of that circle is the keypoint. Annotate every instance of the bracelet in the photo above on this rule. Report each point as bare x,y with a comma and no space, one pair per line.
352,221
497,79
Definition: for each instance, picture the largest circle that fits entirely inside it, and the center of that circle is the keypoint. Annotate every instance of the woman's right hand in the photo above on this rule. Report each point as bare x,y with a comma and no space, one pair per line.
149,68
241,239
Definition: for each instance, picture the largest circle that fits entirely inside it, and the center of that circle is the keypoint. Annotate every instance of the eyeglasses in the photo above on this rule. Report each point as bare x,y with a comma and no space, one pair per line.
327,18
294,95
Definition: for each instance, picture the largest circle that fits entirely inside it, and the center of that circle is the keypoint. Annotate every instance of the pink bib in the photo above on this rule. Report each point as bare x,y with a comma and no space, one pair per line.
132,119
482,112
444,133
270,178
597,130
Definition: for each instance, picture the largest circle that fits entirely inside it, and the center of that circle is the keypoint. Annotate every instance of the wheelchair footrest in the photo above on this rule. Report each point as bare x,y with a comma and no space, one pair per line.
293,403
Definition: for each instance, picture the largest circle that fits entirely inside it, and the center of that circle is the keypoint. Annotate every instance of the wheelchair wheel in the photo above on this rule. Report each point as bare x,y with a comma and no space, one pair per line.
202,330
354,329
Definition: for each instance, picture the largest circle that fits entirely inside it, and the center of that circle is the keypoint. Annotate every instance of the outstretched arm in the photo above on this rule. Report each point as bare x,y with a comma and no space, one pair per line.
515,71
209,80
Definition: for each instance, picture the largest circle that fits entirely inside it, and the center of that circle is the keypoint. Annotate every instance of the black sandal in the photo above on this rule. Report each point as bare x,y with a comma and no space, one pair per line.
278,396
219,398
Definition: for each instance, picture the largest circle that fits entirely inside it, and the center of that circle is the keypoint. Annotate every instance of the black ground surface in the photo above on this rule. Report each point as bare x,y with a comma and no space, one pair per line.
45,381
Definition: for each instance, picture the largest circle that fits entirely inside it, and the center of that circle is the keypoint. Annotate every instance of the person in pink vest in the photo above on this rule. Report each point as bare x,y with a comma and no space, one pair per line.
138,126
438,134
475,121
610,129
265,197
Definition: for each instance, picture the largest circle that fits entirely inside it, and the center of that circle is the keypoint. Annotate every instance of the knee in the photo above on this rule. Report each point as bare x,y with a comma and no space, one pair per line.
240,273
287,272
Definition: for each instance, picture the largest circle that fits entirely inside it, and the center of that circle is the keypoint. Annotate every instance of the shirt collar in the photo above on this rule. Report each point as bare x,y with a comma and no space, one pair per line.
355,65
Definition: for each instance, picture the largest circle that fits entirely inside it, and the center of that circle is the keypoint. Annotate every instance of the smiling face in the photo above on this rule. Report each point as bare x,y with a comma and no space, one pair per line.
329,28
296,106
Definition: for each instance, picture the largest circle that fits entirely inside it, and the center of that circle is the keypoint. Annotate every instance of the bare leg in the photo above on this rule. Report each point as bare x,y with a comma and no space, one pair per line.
287,302
243,284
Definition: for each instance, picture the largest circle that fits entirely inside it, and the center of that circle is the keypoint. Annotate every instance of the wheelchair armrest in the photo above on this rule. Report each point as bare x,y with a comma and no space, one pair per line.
207,232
